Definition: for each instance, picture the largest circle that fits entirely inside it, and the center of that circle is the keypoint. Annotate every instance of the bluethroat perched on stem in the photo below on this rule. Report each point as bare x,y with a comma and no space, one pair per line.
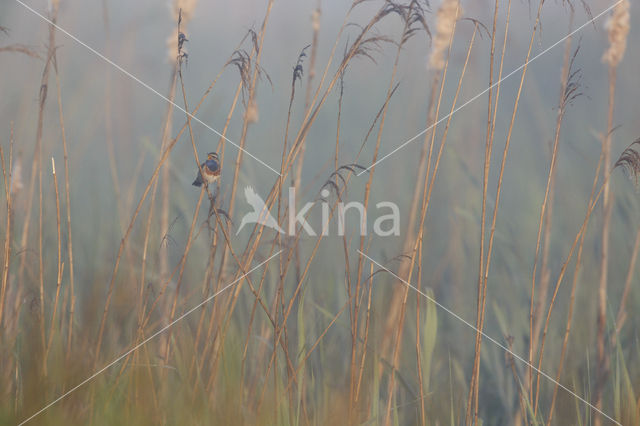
210,170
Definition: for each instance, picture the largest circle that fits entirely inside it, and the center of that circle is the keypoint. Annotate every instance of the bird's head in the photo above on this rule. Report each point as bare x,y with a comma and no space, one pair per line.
212,156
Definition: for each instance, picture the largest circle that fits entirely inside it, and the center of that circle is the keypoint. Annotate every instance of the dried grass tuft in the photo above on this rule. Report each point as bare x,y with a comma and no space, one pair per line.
445,19
617,29
253,115
629,160
188,8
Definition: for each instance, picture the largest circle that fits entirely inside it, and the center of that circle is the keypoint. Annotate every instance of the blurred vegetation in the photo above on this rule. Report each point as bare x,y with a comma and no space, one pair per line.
105,258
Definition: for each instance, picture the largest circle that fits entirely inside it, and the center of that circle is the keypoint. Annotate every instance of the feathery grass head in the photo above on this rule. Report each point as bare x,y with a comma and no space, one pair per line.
188,8
629,160
445,19
573,88
298,70
617,29
253,115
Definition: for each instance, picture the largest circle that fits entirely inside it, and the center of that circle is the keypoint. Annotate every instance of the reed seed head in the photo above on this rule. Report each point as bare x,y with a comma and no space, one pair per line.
617,29
252,112
188,8
445,22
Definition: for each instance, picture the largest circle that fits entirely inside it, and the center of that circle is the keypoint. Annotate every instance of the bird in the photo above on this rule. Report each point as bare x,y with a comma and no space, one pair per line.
210,170
260,213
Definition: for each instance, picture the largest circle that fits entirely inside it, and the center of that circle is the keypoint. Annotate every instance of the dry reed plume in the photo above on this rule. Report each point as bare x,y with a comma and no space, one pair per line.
617,30
319,335
446,16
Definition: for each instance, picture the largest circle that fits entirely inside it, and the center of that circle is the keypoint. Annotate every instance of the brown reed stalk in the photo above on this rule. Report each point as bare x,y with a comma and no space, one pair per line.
338,197
366,335
578,237
491,127
423,167
37,168
353,313
7,327
249,117
622,316
183,10
602,363
249,84
154,176
60,264
288,310
412,16
485,274
166,130
108,116
229,309
251,319
430,177
421,379
297,177
574,284
353,51
485,182
430,180
519,384
208,276
183,261
361,46
567,93
221,150
153,179
256,234
618,29
428,186
166,187
7,238
367,191
72,296
169,279
140,300
297,75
